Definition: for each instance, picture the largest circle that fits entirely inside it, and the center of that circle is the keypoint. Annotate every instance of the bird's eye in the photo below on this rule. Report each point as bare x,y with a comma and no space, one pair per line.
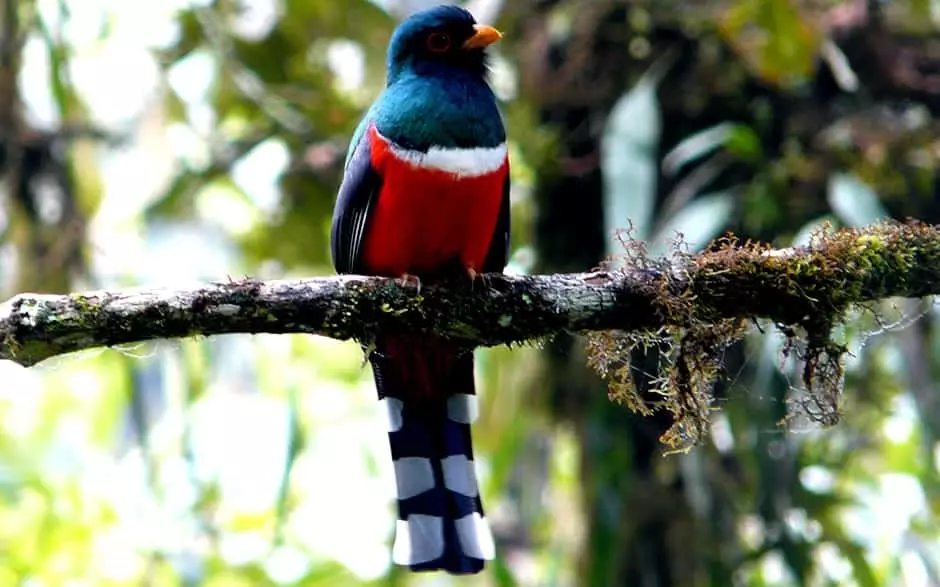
438,42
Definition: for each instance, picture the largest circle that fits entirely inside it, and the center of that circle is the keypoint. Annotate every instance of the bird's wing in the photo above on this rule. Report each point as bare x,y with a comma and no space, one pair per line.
498,255
354,204
357,136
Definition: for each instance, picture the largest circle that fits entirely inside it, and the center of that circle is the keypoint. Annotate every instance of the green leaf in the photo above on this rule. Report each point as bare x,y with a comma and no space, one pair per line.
744,143
502,574
861,570
628,159
700,221
922,12
853,201
295,444
773,39
694,147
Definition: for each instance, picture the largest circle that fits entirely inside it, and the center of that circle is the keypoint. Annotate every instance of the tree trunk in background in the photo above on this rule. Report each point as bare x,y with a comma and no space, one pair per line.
42,220
639,530
636,520
652,521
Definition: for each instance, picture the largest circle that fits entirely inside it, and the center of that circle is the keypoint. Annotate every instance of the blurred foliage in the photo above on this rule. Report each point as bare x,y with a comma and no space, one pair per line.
180,140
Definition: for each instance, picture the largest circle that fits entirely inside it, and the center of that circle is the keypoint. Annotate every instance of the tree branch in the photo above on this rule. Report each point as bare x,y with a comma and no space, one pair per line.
805,287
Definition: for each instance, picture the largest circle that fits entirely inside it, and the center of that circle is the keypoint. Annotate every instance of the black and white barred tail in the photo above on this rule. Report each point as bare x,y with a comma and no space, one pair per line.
428,391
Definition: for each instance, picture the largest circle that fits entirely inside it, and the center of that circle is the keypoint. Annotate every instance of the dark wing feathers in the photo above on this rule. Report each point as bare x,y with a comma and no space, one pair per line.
357,194
498,255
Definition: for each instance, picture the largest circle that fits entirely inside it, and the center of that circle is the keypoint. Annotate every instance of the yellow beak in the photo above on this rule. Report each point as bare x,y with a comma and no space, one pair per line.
485,35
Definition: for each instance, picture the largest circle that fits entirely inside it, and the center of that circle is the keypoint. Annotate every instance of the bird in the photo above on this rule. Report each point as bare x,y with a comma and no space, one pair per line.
425,194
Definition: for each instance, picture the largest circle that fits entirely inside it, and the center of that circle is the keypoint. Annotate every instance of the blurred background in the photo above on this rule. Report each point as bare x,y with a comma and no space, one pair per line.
171,141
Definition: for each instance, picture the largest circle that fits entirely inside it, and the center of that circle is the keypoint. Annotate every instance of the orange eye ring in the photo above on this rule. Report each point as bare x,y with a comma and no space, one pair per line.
438,42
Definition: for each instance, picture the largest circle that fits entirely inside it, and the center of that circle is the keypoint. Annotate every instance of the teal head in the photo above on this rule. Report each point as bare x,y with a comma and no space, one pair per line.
445,40
437,93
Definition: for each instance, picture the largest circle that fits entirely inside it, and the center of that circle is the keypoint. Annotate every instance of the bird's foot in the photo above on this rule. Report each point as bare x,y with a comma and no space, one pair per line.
367,350
475,276
407,279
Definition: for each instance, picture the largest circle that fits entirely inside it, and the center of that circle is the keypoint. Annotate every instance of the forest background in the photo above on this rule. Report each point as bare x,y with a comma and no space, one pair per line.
166,142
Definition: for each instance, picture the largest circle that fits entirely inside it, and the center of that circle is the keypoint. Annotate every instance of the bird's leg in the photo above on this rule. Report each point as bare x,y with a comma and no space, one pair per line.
407,279
474,275
367,350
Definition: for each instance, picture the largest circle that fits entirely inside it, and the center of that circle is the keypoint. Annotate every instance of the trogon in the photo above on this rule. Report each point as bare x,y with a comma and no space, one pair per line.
426,193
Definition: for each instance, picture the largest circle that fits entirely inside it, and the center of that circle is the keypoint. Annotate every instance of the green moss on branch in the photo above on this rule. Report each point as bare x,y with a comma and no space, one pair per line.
706,299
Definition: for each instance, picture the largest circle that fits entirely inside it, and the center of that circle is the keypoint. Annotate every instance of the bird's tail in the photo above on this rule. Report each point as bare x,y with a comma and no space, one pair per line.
427,387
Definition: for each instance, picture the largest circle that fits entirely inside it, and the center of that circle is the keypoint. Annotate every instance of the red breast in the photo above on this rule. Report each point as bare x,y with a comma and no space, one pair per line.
433,207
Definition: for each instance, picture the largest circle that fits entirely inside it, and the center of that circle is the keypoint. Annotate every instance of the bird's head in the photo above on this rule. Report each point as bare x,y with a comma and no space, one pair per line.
441,40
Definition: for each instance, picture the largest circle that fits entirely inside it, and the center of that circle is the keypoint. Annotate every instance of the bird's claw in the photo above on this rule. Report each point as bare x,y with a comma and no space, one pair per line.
367,350
407,279
474,275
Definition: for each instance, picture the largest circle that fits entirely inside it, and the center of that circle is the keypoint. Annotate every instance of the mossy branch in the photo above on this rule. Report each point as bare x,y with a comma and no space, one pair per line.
797,287
692,305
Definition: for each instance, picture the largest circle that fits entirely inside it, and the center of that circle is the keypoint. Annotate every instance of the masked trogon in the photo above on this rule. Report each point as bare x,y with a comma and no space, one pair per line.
426,192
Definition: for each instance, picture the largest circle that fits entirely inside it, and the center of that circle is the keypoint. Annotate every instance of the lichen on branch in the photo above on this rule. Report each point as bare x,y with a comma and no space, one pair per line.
690,306
707,299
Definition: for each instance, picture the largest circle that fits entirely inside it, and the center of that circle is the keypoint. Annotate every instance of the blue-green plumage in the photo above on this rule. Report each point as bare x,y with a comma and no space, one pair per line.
418,112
